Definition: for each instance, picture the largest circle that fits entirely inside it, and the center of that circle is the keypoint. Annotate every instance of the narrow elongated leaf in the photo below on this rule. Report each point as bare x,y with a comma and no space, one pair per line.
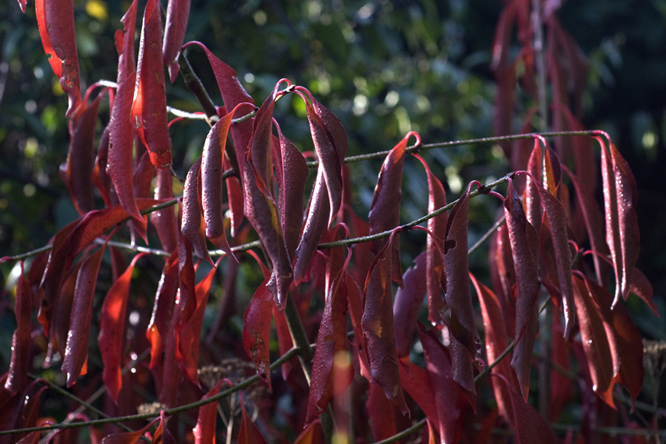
128,437
456,270
408,302
449,399
56,29
595,341
112,330
257,328
76,352
620,200
80,158
204,431
249,433
331,371
313,434
382,415
19,364
523,240
416,382
435,247
192,224
378,330
158,327
292,190
149,106
165,220
189,329
260,207
529,425
178,11
496,342
101,178
211,181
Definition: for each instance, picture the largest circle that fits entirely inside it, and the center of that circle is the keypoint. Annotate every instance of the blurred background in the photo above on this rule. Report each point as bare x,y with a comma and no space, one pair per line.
384,67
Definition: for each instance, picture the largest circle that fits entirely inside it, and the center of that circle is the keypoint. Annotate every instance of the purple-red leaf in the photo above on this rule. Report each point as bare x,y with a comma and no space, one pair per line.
165,220
192,224
407,304
620,200
378,330
56,29
249,433
523,240
76,352
149,114
112,330
128,437
293,175
158,328
204,431
80,157
19,365
178,11
435,247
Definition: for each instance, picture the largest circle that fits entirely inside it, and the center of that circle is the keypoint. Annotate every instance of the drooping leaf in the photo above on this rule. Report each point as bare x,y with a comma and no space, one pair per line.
204,431
149,114
523,239
435,247
594,340
56,29
76,352
313,434
292,190
178,11
189,328
496,342
257,328
447,393
416,382
165,220
101,178
158,327
331,371
112,330
620,200
383,420
192,224
77,172
456,269
128,437
407,304
378,329
641,287
249,433
19,364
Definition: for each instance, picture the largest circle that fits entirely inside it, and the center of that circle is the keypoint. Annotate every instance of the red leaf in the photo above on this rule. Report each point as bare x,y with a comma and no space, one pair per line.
189,328
165,220
76,353
158,328
128,437
641,287
313,434
257,329
121,130
80,162
178,11
20,363
112,330
315,225
22,4
407,304
435,247
377,324
330,141
496,342
620,200
331,371
204,432
558,233
56,29
355,303
456,270
503,275
447,393
529,425
149,107
624,339
100,178
416,382
192,224
595,341
292,189
381,415
260,207
523,239
211,181
249,433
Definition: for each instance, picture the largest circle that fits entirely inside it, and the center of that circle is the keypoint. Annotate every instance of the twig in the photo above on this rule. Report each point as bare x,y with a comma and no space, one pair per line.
487,234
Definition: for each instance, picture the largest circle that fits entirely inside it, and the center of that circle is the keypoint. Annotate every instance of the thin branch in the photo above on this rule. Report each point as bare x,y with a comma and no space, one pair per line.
487,234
